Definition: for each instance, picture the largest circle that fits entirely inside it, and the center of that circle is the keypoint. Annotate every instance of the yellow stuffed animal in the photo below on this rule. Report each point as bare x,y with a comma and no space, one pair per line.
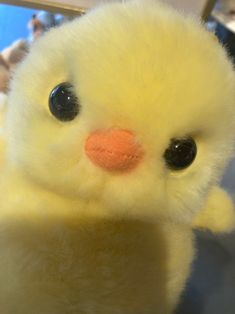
118,129
3,106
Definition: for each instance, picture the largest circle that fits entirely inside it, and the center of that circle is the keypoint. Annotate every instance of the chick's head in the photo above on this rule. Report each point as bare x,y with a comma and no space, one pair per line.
130,106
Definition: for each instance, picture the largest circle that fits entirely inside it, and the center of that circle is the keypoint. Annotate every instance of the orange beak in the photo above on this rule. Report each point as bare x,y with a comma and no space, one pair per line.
114,150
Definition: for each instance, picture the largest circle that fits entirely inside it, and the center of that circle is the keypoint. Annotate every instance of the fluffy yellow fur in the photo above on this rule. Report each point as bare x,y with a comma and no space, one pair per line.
75,238
217,215
3,104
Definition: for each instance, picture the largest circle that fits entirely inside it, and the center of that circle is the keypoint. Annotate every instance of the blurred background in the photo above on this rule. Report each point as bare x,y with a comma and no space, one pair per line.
211,288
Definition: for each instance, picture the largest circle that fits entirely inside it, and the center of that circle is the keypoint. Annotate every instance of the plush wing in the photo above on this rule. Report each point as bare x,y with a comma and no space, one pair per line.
218,214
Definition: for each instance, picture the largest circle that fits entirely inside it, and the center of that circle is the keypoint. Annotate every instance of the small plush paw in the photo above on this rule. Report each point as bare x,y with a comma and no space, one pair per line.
218,214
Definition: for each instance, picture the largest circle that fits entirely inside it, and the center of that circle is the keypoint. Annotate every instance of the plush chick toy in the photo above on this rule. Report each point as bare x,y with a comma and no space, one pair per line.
119,126
3,105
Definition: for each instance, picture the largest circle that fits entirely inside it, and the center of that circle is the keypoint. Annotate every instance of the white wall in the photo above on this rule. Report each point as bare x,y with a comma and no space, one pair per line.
193,6
189,5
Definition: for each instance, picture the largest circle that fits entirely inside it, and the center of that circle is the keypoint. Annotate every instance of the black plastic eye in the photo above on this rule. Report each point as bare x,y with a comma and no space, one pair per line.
63,103
181,153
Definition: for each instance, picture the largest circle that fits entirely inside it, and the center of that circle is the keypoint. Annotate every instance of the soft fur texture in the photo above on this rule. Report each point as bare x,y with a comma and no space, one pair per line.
3,105
75,238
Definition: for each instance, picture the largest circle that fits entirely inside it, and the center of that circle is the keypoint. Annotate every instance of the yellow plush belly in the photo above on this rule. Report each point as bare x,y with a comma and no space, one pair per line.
99,267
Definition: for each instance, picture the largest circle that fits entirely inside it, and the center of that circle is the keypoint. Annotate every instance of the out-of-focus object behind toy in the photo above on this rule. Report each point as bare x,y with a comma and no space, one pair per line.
36,27
9,58
4,74
76,7
224,17
15,53
43,21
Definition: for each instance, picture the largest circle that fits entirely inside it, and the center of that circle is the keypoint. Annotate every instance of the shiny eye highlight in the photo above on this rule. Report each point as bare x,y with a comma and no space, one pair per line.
180,153
63,103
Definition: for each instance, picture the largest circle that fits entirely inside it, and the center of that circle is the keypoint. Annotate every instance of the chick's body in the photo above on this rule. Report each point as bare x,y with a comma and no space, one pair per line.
56,263
93,218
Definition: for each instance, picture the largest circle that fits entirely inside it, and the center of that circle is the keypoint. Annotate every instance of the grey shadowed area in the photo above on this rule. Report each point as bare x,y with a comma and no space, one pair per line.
211,288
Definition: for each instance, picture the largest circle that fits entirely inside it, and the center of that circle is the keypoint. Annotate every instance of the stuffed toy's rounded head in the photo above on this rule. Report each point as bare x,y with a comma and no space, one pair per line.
131,106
